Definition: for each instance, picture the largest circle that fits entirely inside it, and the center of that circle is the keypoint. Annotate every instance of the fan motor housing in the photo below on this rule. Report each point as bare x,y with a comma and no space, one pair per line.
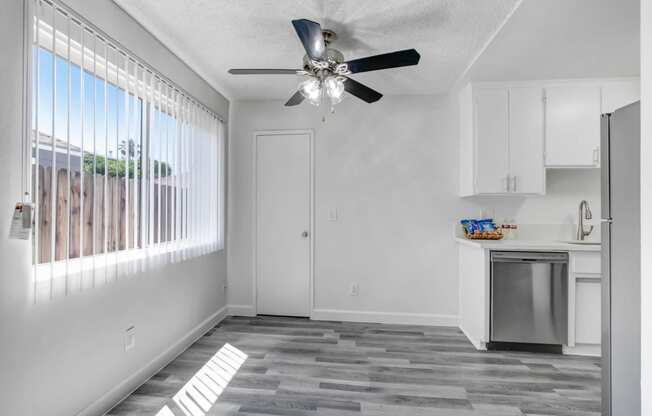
332,56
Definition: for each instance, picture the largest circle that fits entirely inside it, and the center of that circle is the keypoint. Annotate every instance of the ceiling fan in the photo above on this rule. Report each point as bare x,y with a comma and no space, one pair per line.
326,70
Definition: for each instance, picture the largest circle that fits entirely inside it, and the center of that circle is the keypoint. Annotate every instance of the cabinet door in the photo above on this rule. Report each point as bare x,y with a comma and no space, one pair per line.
572,125
587,310
616,94
526,140
491,140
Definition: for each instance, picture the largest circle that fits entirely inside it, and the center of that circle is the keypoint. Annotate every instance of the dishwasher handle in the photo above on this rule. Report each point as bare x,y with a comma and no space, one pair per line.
528,257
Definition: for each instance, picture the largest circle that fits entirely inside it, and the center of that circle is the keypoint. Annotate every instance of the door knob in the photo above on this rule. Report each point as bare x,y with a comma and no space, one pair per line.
304,234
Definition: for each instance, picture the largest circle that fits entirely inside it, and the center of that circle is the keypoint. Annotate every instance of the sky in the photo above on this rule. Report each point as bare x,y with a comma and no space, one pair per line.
99,123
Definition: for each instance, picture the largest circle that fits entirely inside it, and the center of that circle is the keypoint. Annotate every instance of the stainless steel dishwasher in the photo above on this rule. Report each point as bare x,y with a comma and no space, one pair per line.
529,300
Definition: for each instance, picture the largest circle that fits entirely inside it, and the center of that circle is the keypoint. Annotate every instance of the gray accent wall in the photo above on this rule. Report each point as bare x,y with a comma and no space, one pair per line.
65,356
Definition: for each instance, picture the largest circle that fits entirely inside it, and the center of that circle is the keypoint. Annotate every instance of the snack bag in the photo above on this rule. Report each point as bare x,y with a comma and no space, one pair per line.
470,226
487,225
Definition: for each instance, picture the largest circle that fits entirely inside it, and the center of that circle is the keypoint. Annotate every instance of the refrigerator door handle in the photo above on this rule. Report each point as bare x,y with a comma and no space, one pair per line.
607,220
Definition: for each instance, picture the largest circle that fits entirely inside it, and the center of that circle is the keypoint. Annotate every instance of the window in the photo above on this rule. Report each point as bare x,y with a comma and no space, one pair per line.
124,164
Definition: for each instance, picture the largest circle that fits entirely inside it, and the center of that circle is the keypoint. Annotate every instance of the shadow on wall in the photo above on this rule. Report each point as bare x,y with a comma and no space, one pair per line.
565,188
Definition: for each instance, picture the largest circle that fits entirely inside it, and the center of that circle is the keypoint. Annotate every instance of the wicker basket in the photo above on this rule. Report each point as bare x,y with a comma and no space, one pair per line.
497,235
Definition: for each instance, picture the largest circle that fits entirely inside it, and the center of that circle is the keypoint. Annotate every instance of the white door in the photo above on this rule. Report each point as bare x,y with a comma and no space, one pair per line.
526,140
573,125
491,140
283,188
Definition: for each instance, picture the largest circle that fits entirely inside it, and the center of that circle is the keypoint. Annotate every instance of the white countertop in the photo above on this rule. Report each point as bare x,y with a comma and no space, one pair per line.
527,245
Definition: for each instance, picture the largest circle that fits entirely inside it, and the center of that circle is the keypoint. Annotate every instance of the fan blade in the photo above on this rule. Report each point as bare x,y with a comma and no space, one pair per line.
361,91
310,34
263,71
296,99
384,61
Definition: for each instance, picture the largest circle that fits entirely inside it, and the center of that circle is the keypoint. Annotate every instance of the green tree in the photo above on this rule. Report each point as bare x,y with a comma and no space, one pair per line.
97,164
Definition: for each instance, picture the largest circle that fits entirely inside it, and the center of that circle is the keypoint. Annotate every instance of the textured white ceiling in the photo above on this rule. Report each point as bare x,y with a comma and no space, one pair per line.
213,36
564,39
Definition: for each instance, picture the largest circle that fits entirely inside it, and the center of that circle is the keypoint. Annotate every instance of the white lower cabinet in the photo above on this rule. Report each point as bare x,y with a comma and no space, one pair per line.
588,328
584,298
474,293
585,303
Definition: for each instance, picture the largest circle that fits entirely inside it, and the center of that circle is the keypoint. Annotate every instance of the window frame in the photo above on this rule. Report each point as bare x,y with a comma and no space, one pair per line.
182,104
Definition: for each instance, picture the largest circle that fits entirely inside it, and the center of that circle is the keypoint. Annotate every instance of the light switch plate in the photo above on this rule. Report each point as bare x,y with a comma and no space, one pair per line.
130,338
332,214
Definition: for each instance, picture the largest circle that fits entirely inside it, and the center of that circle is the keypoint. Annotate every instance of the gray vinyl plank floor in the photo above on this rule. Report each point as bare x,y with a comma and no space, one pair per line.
291,366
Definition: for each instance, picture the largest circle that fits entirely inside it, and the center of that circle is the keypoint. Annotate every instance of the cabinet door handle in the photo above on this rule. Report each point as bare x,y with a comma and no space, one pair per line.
513,183
596,155
506,183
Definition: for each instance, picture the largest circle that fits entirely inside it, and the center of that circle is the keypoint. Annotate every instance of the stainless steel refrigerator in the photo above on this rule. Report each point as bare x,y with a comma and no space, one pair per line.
621,258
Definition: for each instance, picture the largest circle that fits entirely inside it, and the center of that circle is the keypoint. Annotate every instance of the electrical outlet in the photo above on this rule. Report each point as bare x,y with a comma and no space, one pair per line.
130,338
355,289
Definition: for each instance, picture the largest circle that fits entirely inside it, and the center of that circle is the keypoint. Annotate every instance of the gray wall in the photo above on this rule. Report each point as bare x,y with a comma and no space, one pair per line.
60,356
389,169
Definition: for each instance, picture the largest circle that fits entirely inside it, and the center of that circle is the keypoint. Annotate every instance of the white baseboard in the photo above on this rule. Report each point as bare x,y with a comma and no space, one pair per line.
241,310
587,350
479,345
385,317
363,316
114,396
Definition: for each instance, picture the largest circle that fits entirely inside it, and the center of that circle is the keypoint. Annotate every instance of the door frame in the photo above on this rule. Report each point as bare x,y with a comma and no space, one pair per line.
311,213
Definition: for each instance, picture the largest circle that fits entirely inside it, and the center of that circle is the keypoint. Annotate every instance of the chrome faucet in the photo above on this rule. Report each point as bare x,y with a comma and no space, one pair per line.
584,213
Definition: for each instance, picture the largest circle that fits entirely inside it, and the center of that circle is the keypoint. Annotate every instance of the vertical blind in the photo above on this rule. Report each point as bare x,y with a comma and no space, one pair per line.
127,170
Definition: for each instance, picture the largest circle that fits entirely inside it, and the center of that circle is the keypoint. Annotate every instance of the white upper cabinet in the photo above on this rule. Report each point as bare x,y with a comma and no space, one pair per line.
573,125
491,133
511,131
573,110
526,140
501,145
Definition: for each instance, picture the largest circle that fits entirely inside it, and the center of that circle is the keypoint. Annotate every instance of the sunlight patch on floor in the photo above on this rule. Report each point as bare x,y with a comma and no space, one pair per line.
201,392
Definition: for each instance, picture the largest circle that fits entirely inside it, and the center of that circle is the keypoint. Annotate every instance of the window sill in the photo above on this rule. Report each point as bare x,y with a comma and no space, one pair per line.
171,252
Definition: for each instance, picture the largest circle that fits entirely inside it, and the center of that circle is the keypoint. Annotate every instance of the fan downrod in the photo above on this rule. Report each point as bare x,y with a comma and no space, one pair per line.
329,36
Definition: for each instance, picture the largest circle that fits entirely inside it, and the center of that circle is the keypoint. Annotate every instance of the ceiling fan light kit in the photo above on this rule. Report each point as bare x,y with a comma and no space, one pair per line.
326,71
311,90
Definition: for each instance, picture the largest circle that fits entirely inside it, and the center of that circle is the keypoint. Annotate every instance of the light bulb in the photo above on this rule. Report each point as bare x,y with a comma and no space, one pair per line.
311,90
334,89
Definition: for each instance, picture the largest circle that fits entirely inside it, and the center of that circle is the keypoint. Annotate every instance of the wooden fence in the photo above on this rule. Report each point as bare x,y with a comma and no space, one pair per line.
70,224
